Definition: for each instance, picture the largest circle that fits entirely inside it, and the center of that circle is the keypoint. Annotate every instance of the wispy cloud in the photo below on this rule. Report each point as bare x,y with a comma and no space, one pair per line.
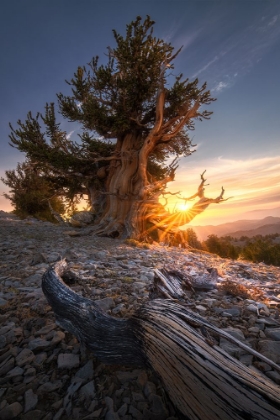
186,39
273,21
68,136
220,86
206,66
236,54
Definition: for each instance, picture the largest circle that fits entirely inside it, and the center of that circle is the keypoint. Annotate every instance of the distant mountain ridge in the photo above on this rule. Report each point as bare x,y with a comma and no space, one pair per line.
266,226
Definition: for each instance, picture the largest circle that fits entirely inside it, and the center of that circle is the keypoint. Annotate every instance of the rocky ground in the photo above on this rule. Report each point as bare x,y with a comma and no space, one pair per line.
45,374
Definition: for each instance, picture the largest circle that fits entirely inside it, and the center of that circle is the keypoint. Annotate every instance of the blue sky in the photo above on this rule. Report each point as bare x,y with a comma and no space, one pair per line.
233,45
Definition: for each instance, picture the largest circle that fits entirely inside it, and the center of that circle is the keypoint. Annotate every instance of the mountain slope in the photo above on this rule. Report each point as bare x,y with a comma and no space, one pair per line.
262,230
242,226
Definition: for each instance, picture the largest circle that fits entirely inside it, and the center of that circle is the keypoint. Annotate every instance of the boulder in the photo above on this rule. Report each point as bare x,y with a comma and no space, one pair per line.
81,219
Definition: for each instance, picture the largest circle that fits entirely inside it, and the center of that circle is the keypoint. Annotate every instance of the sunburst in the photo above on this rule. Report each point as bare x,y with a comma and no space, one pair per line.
183,206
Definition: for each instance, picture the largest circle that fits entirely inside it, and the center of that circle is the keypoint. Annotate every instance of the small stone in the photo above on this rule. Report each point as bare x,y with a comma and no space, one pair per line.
3,302
119,309
263,309
73,233
270,349
49,387
254,330
34,279
135,413
232,312
246,359
45,330
36,415
95,414
122,410
7,328
137,396
26,356
88,390
252,308
273,333
59,414
57,338
273,304
30,400
68,361
30,372
85,372
38,344
3,341
142,379
149,389
105,304
111,415
6,366
17,371
235,332
262,334
56,405
159,408
39,359
53,257
11,411
124,377
37,258
201,308
210,302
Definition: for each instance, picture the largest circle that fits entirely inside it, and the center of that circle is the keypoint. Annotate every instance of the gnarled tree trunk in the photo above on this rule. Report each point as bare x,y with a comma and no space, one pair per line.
132,209
203,381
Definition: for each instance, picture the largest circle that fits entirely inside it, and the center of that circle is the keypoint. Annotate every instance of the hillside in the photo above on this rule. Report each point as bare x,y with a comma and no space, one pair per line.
262,230
239,228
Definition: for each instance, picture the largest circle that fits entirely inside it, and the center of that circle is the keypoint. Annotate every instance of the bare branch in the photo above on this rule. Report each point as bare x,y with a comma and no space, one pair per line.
138,122
192,113
159,186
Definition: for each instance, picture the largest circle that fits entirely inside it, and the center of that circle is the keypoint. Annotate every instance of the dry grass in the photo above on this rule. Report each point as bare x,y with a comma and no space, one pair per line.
137,244
233,288
127,280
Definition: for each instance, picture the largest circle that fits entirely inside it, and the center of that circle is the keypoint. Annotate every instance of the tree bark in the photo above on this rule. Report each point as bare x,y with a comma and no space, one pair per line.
202,380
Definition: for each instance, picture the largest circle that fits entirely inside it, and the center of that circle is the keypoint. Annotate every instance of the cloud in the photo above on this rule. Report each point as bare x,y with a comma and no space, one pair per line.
267,24
205,67
220,86
68,136
253,184
236,53
273,21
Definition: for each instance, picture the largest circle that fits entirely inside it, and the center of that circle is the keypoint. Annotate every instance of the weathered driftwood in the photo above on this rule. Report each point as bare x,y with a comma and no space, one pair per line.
203,381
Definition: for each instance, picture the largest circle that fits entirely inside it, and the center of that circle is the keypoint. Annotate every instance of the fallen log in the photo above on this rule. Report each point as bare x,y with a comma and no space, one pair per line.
203,381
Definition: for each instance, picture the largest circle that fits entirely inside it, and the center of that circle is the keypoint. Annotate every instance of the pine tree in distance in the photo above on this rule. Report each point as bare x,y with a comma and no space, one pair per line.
140,120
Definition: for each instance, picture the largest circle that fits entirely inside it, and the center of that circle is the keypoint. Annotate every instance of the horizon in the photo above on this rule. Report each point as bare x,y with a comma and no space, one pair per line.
232,46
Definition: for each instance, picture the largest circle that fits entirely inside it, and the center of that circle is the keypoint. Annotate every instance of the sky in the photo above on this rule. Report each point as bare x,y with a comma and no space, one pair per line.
233,45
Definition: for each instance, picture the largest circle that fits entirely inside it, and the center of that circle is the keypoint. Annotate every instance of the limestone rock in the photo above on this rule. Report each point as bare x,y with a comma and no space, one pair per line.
68,361
11,411
81,219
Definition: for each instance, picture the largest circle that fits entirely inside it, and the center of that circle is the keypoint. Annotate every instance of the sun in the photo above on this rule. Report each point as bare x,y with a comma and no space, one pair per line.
183,206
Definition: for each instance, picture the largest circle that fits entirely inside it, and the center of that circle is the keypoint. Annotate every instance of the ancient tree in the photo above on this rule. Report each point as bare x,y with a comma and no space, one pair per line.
142,115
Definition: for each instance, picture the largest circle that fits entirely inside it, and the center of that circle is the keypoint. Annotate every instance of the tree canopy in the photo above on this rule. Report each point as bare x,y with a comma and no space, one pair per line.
134,114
